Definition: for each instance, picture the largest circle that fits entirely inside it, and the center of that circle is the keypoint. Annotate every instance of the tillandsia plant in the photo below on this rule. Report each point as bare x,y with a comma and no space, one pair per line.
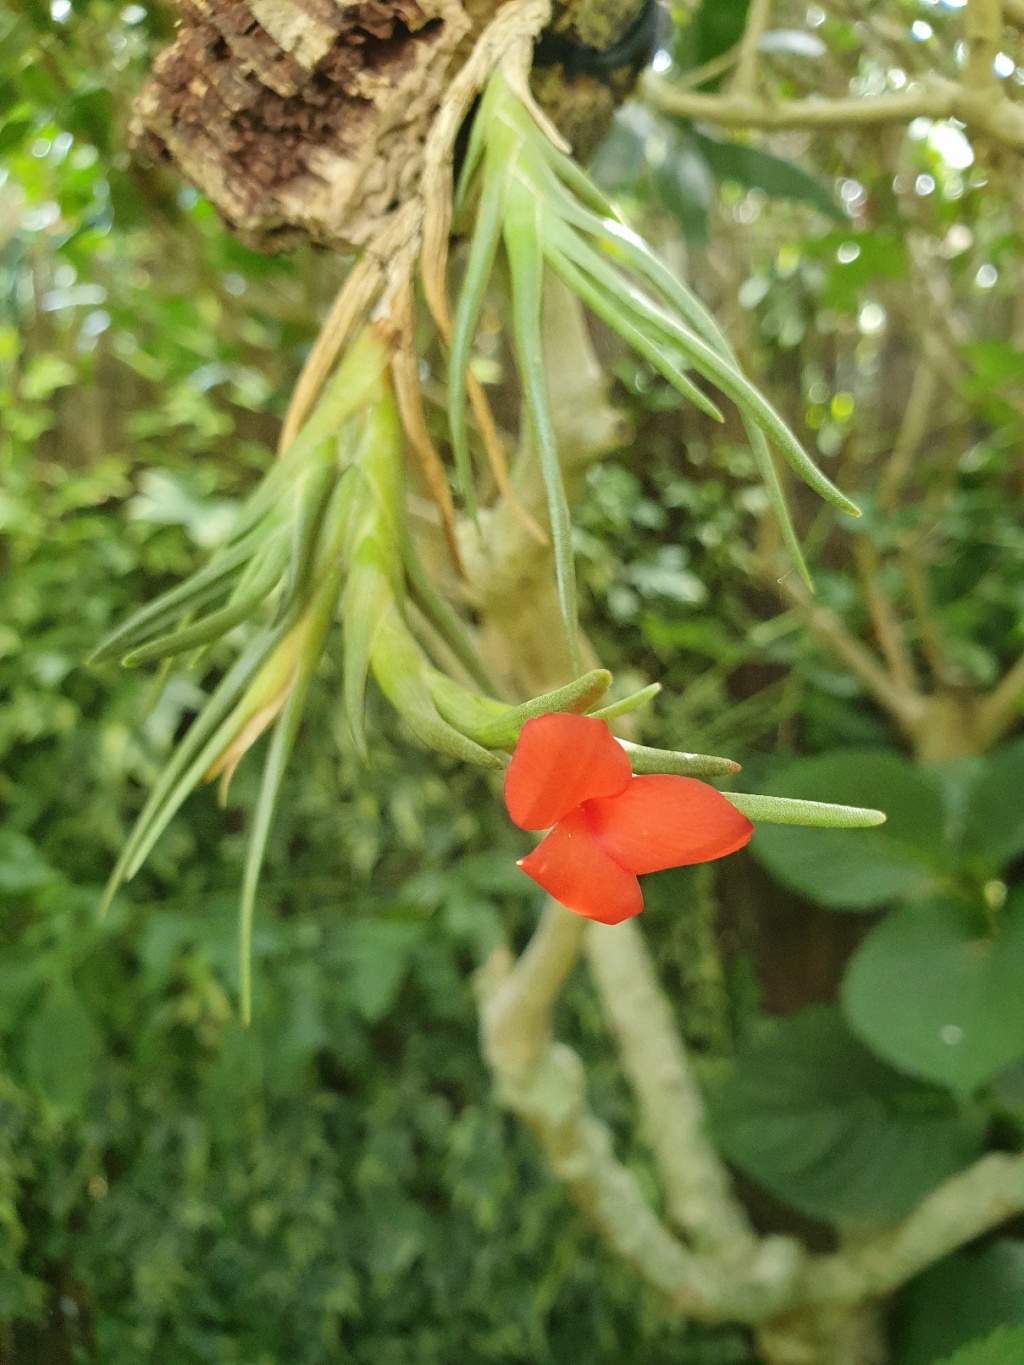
528,193
325,536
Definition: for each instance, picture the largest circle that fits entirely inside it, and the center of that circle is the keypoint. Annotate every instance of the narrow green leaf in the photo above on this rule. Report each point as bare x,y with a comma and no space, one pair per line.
202,587
218,623
622,243
281,743
523,238
777,499
178,778
313,500
647,760
441,616
624,705
615,308
476,147
497,726
576,179
784,810
483,248
355,383
365,598
710,362
709,354
404,677
135,632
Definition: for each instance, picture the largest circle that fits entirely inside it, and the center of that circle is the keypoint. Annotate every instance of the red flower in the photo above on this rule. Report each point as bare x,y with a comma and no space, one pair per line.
608,826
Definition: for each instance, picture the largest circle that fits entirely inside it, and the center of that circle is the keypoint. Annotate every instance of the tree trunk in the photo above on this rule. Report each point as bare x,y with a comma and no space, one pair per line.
828,1336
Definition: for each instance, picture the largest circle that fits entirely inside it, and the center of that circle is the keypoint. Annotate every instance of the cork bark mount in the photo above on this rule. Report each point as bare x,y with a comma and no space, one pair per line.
300,120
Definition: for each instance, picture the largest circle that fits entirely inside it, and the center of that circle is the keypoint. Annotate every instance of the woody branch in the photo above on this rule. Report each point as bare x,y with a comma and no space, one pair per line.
978,100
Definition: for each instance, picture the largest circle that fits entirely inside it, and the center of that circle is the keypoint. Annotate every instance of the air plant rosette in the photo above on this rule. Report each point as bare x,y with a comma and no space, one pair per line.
324,538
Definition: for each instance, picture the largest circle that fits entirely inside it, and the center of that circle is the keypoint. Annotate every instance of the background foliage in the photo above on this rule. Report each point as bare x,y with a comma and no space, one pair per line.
336,1185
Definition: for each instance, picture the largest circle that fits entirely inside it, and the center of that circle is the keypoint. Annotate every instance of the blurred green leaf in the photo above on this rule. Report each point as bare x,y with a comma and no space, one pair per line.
755,169
1004,1347
715,28
21,866
991,827
963,1297
685,188
858,869
376,955
809,1113
935,995
60,1051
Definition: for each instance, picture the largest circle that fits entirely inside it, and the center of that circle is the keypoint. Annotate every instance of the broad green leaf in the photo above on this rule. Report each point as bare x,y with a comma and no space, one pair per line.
376,955
685,187
715,28
1005,1346
754,169
60,1050
809,1113
932,994
961,1298
991,828
858,870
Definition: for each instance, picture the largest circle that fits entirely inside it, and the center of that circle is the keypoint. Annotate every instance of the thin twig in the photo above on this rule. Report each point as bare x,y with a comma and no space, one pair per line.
983,111
543,1083
887,626
918,417
717,66
698,1197
983,25
744,83
967,1205
998,711
928,633
906,706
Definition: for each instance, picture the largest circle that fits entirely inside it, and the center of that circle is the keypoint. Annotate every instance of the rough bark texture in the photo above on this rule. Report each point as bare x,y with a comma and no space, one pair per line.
305,119
300,120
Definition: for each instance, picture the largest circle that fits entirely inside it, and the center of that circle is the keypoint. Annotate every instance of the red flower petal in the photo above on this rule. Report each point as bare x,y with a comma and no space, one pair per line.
572,867
664,821
560,761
